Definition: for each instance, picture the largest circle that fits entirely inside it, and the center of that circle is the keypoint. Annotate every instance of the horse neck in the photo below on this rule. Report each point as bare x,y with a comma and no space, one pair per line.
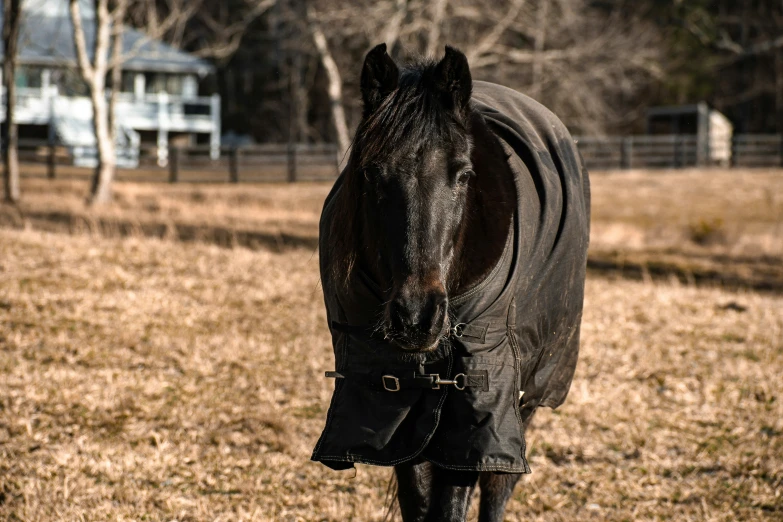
490,209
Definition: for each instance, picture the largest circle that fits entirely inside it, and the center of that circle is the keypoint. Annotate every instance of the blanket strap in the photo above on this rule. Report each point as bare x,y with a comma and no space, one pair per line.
414,380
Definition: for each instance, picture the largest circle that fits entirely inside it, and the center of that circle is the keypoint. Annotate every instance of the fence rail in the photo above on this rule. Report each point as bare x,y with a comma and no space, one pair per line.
676,151
311,162
254,163
757,150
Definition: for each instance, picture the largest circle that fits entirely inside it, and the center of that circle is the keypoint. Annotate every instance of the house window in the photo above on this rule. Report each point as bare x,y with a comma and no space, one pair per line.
69,82
163,82
128,79
28,77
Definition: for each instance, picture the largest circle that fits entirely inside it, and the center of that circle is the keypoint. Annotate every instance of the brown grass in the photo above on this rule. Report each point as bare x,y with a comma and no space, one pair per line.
721,226
145,379
154,380
735,212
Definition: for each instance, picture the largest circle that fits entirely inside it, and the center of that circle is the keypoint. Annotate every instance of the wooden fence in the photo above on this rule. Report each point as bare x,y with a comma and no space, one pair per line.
757,150
255,163
267,162
314,162
676,151
639,152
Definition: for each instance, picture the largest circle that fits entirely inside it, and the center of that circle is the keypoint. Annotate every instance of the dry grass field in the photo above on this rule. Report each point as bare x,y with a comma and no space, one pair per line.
718,226
155,379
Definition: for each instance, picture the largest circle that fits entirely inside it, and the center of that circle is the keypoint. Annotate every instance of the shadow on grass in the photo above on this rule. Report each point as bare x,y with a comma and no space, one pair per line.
761,273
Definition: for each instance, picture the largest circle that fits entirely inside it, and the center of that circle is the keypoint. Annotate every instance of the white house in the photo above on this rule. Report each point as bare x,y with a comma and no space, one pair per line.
159,99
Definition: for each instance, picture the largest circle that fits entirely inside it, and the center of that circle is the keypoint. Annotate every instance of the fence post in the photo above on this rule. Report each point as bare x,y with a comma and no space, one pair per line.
734,148
291,162
677,145
781,149
626,152
50,162
174,164
233,165
703,150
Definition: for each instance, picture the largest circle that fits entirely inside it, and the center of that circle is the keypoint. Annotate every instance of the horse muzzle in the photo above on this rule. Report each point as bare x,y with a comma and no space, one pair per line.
416,323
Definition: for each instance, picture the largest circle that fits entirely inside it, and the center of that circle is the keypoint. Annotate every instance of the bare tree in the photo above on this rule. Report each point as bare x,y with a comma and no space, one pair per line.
207,28
335,89
108,30
394,25
538,46
218,41
438,8
587,61
12,14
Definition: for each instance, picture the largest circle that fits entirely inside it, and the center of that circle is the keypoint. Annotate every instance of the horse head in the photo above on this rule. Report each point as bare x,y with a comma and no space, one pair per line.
412,158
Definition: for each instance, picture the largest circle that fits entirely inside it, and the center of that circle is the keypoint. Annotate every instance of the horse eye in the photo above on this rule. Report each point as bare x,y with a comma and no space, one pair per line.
465,176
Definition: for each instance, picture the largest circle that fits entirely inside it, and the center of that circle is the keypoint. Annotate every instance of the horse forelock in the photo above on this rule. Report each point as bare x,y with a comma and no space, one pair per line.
413,116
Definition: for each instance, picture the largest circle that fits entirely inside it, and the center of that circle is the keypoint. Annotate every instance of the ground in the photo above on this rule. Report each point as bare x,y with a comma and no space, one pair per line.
156,379
711,225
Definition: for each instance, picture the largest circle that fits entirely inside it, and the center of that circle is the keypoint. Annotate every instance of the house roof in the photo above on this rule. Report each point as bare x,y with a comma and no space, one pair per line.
48,40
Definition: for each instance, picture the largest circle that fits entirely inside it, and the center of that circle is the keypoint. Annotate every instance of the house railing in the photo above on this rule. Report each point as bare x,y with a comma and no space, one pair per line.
152,106
149,111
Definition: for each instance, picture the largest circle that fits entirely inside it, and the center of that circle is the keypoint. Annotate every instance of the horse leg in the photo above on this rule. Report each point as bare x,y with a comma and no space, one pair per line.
496,489
414,481
450,495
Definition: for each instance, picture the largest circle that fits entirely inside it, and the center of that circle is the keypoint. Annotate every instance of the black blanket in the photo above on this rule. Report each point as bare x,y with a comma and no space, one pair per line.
521,338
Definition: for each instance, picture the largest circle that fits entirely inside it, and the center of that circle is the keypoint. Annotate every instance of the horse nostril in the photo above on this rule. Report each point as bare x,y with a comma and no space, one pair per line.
400,315
438,308
425,314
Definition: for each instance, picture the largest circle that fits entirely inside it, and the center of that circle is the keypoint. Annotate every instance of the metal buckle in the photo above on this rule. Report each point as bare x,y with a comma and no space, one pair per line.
458,330
437,381
395,381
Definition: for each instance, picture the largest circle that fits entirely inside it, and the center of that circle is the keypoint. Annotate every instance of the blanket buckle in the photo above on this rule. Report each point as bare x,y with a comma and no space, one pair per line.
391,383
437,381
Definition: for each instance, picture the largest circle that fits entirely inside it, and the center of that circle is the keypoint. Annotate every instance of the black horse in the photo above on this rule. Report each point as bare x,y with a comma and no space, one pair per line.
453,251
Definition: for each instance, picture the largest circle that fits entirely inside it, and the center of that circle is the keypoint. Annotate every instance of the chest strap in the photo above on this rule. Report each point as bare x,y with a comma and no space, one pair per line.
414,380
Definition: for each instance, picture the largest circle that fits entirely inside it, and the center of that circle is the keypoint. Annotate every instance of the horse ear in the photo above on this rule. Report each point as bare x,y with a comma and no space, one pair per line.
452,76
379,78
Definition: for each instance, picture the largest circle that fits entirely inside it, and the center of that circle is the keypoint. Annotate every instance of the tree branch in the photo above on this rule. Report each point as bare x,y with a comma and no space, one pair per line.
101,45
491,38
392,33
335,81
79,41
433,37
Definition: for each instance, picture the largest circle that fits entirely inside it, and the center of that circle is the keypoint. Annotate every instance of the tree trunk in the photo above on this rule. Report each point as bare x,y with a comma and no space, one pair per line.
104,118
94,74
393,28
100,191
335,89
433,36
11,19
538,47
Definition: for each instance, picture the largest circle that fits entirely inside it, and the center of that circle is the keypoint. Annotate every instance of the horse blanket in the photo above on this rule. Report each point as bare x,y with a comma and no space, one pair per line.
516,344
